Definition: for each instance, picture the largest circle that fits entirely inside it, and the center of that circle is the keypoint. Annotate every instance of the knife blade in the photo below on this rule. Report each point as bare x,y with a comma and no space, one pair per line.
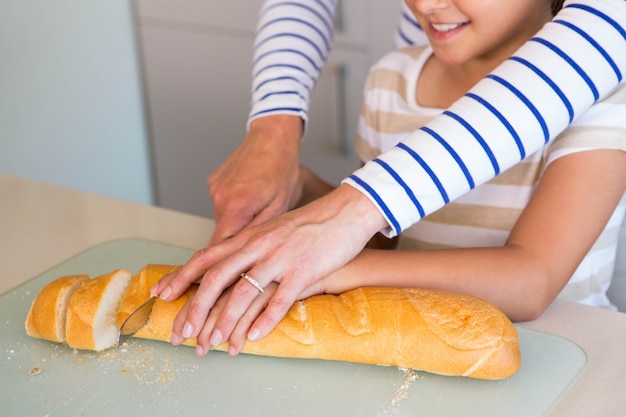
136,320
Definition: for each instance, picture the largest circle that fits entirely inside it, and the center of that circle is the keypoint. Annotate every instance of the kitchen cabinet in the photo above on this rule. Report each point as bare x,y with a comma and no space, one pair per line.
196,59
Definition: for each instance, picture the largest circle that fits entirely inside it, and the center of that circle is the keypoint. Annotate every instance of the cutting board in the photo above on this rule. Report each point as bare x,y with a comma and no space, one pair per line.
149,378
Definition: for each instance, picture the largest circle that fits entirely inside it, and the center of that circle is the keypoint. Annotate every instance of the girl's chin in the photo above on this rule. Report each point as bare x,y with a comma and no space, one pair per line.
449,58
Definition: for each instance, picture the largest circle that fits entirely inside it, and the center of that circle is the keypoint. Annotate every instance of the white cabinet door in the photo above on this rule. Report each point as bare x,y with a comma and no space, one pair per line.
197,63
328,146
198,89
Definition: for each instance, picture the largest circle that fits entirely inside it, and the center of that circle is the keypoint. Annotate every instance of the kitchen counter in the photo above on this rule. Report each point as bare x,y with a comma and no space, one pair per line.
42,225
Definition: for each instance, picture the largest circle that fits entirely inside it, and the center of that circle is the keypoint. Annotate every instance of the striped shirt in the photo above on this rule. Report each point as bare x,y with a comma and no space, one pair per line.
571,63
484,216
293,40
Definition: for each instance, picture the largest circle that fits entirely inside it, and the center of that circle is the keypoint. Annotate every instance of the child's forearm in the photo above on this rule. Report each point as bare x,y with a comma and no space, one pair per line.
505,276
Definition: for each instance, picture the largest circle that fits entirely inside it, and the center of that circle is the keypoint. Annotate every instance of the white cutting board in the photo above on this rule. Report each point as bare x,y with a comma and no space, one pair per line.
149,378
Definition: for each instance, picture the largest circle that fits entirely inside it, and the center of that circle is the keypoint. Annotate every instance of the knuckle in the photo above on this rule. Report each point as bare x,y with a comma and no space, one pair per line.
244,290
198,256
278,306
227,321
194,310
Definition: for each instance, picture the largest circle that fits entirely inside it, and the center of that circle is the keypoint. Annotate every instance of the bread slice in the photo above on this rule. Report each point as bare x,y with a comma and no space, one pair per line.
46,317
138,290
92,311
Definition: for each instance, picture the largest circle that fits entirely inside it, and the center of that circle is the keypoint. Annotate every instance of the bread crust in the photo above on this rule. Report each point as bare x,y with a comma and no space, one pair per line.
85,308
430,330
434,331
138,290
46,317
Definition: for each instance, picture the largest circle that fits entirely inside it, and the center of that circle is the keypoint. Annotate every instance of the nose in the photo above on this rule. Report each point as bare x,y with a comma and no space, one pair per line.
427,7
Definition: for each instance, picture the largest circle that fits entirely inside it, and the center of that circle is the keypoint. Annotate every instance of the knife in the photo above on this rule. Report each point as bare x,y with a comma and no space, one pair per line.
136,320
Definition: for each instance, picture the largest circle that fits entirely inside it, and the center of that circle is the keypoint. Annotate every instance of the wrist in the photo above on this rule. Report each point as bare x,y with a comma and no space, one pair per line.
369,218
348,212
276,140
282,126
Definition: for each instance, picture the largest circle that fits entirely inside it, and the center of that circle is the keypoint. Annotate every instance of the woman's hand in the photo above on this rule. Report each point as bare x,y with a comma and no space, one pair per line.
238,336
257,181
296,249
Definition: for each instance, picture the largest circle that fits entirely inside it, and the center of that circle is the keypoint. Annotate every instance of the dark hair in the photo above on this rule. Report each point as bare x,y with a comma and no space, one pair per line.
556,6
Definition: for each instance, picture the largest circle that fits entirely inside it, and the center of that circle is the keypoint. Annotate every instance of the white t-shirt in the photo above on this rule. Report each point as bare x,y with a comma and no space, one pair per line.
484,216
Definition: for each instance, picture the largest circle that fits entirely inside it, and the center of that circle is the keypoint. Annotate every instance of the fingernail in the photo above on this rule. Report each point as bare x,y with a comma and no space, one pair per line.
199,350
166,293
216,338
187,330
253,335
153,291
176,339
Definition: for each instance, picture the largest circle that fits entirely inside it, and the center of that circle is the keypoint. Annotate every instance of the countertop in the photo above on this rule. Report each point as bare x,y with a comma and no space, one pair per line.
42,225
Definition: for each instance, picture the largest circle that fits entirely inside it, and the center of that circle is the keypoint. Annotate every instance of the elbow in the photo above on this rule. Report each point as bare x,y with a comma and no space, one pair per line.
534,282
533,300
527,313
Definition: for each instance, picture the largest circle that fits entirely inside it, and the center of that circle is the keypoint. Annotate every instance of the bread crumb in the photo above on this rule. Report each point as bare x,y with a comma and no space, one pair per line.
124,371
79,360
400,395
34,371
409,377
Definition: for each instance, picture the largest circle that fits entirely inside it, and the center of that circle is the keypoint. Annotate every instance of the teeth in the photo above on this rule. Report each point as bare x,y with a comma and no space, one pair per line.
445,27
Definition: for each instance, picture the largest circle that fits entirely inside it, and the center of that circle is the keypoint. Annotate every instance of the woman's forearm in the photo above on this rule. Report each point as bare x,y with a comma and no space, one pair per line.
292,44
293,40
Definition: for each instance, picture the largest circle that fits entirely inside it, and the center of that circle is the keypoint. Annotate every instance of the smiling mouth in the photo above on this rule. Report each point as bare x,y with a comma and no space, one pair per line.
447,27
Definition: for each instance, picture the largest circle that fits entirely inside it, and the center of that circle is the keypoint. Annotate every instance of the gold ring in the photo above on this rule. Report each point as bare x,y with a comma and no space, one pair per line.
252,281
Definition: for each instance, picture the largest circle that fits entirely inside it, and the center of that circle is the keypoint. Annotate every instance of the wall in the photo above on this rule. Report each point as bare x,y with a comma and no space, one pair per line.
71,110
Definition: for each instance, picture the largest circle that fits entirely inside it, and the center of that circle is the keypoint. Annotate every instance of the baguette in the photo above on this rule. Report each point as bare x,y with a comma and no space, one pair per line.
138,290
91,313
46,317
435,331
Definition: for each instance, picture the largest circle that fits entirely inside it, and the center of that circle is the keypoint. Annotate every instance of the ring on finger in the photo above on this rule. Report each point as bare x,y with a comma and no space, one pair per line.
252,281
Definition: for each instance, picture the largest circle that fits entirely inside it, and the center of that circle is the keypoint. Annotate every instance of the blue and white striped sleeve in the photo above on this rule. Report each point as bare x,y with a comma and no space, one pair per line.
573,61
292,42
